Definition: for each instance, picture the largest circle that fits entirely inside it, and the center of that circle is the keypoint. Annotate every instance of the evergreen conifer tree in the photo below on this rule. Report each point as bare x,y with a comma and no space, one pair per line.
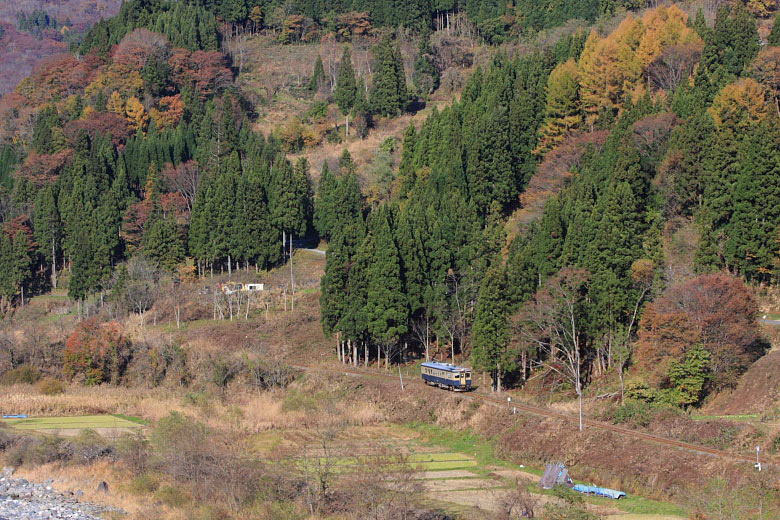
386,306
318,76
490,339
388,94
324,210
346,88
774,34
48,229
162,243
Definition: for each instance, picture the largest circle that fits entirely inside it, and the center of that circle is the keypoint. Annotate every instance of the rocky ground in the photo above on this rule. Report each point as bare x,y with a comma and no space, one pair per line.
23,500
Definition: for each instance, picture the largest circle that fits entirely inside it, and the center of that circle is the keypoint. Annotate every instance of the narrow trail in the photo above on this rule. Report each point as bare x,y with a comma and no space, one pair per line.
544,412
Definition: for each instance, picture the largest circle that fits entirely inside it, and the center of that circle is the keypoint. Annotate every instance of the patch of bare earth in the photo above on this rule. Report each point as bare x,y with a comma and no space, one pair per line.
758,390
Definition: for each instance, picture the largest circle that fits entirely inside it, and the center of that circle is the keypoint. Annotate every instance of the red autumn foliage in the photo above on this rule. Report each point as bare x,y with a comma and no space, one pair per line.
553,172
41,169
96,353
100,123
57,77
20,223
137,47
716,311
20,51
136,216
207,70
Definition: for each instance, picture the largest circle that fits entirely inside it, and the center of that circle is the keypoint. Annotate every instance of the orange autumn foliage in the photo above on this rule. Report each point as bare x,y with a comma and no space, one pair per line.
716,311
169,112
96,353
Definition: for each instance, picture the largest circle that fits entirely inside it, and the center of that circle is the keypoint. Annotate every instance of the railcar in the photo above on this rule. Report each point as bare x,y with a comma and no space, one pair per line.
446,375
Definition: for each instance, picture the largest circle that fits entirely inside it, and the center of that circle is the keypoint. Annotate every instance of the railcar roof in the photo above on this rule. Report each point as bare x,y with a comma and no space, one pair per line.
444,366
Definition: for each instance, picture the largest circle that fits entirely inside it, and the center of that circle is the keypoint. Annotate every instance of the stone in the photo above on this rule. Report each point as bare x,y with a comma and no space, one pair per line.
8,471
102,487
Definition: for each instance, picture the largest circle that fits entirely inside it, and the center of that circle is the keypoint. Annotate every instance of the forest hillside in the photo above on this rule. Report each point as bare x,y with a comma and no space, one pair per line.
576,201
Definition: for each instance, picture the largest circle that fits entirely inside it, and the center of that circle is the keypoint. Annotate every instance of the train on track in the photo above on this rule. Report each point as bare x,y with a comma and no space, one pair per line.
446,375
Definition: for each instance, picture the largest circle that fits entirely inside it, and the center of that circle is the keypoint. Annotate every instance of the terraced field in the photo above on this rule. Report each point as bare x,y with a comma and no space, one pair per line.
459,477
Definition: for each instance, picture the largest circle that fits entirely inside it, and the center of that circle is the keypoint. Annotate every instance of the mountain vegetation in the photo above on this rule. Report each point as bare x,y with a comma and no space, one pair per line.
138,151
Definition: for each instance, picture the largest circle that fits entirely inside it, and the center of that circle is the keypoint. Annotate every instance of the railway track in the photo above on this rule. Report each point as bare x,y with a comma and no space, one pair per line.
546,412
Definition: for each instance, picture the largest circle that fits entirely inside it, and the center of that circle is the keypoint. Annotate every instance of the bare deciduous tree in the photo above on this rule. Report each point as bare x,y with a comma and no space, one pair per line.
551,323
184,179
673,65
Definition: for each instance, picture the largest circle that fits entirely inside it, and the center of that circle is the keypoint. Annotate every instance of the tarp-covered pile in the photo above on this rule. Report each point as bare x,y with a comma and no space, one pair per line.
599,491
555,475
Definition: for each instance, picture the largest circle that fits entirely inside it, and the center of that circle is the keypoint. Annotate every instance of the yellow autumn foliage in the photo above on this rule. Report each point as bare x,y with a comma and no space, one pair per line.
115,103
614,68
120,78
136,113
739,104
563,111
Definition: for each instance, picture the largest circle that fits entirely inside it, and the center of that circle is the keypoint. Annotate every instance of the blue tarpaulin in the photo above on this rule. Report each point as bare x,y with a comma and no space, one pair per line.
20,416
598,491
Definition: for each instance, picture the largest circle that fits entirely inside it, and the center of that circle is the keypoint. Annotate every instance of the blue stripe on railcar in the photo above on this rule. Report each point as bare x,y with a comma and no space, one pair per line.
444,381
446,375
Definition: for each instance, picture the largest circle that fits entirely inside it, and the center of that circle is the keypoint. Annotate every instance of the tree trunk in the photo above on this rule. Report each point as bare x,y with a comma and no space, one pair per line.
347,125
354,354
524,362
365,354
498,378
292,280
427,338
230,268
53,266
338,349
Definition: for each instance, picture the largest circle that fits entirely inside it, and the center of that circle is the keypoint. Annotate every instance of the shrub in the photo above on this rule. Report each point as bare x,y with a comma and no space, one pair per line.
144,484
775,444
46,450
388,145
134,451
633,412
51,386
316,112
14,456
209,466
96,353
23,374
172,496
567,512
333,136
296,400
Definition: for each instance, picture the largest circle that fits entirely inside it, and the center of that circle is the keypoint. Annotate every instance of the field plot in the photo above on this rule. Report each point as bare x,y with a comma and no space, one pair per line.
459,476
68,426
